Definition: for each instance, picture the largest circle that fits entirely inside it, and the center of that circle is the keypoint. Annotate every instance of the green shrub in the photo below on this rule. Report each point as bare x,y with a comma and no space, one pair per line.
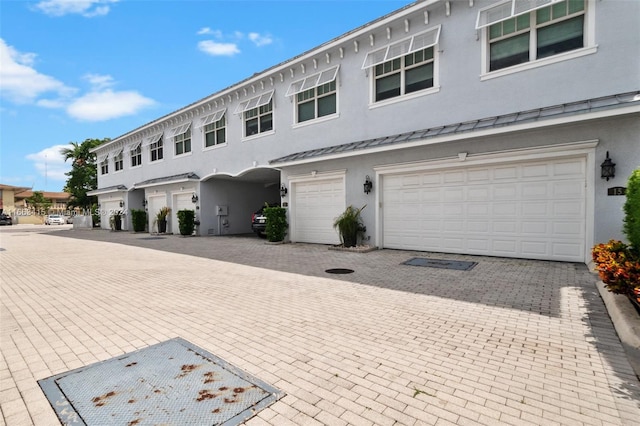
186,221
139,220
95,215
277,224
349,226
631,226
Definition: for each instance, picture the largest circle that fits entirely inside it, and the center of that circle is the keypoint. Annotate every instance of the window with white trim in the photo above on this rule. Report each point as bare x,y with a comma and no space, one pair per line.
315,95
257,114
104,166
404,75
215,133
517,37
405,66
182,139
136,155
118,161
155,150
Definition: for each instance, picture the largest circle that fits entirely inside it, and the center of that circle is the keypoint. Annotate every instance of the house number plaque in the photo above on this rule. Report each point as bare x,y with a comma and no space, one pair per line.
617,190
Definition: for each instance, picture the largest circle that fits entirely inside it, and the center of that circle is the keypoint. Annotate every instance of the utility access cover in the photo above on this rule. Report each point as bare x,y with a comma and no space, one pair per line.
458,265
171,383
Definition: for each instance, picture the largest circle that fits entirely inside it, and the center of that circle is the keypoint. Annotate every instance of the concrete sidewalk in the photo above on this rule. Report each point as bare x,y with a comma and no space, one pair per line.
511,342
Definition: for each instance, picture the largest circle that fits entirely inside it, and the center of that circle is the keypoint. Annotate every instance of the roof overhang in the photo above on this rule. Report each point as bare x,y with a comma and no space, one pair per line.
108,190
167,180
628,103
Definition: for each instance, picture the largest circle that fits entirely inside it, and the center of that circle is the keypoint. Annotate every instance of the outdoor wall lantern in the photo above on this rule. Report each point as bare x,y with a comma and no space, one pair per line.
368,185
194,198
121,203
283,190
608,168
144,203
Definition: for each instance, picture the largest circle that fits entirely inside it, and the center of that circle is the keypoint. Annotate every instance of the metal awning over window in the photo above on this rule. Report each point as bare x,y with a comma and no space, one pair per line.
152,139
115,153
212,118
508,9
134,146
403,47
102,157
256,102
180,129
312,81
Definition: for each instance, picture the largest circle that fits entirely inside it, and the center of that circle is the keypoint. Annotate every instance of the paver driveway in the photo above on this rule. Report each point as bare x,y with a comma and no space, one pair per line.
508,342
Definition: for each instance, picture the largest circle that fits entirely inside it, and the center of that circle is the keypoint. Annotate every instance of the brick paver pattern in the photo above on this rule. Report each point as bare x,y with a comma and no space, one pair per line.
513,342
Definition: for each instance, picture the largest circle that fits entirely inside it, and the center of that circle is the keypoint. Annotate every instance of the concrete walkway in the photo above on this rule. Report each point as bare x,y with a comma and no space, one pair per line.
511,342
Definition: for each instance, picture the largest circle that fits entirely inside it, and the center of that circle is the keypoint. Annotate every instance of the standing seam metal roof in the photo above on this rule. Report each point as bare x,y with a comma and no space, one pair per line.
539,114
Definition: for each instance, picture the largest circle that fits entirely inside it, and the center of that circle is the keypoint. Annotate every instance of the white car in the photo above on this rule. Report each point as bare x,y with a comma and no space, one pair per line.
54,219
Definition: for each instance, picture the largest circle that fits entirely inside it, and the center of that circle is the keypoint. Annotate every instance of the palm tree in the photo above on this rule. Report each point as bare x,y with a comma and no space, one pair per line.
83,176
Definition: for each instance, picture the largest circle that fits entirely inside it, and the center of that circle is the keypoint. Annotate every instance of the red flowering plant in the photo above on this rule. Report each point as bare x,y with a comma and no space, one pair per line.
618,266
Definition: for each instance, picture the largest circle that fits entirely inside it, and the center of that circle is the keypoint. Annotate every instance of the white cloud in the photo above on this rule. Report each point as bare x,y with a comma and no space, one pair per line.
107,104
20,82
99,82
208,31
50,163
86,8
260,40
218,49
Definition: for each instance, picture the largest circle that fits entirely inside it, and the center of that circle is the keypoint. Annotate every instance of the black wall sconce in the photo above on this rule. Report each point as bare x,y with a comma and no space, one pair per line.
368,185
283,191
121,203
144,203
194,198
608,168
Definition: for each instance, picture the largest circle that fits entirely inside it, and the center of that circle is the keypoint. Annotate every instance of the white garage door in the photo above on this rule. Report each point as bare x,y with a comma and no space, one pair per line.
154,206
107,209
533,210
316,204
180,202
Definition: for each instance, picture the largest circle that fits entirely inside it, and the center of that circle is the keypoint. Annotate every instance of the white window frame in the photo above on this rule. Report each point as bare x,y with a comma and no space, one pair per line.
483,26
398,50
135,154
252,104
104,166
213,121
118,160
157,147
181,136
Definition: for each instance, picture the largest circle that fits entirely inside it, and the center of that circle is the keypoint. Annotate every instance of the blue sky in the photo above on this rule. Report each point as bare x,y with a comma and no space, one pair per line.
77,69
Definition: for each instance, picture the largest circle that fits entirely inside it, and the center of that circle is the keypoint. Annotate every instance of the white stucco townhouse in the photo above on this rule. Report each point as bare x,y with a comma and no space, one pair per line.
482,126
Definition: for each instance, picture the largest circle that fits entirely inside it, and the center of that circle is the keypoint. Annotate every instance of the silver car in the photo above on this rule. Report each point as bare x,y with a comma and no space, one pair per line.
54,219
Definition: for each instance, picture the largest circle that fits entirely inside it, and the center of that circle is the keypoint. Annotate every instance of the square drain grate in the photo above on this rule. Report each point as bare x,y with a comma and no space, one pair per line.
171,383
458,265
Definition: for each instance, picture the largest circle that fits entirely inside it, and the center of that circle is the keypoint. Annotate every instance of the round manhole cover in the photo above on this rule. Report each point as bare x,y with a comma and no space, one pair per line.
339,271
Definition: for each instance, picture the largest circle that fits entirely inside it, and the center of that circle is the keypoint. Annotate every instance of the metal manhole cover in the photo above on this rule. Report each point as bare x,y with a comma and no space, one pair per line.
152,238
339,271
458,265
171,383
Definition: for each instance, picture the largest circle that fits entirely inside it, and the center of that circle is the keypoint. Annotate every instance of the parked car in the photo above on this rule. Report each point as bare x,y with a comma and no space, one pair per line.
54,219
5,219
69,219
259,221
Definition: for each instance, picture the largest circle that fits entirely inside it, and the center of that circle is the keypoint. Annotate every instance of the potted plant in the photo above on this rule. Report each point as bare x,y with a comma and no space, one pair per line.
138,220
186,221
276,226
161,219
115,221
349,226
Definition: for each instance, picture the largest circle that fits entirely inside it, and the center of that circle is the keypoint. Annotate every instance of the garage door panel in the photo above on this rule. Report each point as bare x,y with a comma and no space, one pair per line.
316,204
575,168
508,173
533,210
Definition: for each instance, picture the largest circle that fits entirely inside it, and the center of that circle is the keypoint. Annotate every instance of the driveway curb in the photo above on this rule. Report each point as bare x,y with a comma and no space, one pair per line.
626,322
